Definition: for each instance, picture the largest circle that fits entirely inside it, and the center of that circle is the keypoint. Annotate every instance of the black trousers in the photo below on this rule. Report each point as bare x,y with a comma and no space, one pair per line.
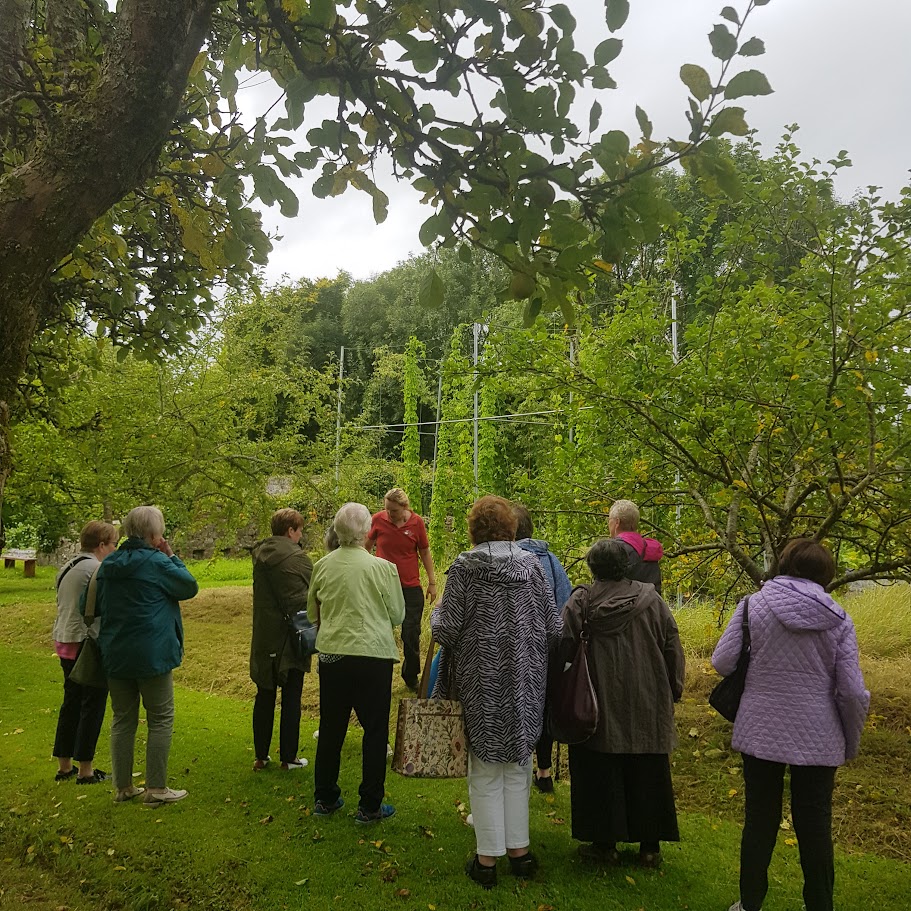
365,685
289,727
411,633
811,811
80,719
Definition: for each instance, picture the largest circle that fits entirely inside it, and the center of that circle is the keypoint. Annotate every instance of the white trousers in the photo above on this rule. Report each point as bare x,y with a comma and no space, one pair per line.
498,792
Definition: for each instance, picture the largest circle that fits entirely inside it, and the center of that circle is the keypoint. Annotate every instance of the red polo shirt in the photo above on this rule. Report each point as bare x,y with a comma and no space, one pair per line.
400,545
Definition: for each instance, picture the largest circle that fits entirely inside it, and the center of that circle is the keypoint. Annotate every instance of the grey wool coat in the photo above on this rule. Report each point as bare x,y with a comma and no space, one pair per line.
281,583
636,663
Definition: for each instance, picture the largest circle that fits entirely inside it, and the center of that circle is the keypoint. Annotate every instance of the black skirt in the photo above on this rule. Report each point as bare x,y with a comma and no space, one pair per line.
621,797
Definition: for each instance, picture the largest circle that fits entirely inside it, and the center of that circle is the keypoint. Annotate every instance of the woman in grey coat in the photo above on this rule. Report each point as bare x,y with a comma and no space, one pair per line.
621,786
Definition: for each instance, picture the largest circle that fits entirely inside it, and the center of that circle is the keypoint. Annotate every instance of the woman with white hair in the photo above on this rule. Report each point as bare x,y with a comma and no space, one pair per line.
141,641
357,600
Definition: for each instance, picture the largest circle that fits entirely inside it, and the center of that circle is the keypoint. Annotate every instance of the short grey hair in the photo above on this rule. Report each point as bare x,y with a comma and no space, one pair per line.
626,514
352,524
608,559
144,522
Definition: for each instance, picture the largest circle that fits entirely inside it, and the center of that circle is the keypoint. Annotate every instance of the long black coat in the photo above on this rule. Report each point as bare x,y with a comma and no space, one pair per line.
281,583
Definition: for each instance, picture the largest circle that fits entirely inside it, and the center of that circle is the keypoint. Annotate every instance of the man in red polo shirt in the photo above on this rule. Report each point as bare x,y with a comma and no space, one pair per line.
399,536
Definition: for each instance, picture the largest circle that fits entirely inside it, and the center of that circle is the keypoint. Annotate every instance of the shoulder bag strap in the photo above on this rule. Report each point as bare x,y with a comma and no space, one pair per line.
77,559
425,674
746,643
91,598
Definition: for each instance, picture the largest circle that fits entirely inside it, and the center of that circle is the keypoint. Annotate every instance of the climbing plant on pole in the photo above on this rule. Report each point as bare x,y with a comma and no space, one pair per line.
411,441
453,484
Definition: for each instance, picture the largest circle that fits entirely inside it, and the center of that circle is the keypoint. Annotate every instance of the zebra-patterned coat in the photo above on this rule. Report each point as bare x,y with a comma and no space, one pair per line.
497,622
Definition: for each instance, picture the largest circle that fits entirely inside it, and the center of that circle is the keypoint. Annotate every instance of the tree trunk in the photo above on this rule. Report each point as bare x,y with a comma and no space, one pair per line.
94,154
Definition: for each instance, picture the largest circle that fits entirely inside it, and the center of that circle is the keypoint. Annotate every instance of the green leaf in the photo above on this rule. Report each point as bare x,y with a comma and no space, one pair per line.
563,18
730,14
432,290
601,79
616,12
749,82
724,44
323,11
608,51
295,96
644,123
532,309
753,48
760,2
696,79
430,230
594,118
729,120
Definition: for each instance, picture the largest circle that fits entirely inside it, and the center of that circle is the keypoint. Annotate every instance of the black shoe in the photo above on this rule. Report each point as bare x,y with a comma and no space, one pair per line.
95,778
483,876
66,776
608,855
525,866
412,685
544,785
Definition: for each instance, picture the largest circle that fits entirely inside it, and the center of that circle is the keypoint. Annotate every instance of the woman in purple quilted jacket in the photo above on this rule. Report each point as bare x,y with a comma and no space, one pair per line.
803,706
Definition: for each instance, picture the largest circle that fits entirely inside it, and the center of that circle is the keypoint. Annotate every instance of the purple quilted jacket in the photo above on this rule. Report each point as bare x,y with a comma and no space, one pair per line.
804,702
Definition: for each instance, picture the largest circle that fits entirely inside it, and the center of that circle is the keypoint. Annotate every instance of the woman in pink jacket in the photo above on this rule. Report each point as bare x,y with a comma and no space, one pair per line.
803,706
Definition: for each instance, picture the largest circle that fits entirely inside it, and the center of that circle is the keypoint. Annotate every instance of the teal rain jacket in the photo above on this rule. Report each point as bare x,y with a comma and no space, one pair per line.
141,628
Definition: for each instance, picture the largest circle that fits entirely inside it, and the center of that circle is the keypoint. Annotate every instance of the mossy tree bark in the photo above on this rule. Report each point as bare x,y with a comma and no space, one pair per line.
91,156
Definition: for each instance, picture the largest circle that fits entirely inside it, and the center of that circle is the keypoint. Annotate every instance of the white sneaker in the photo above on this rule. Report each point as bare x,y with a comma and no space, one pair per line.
736,907
167,795
295,764
389,751
469,820
316,734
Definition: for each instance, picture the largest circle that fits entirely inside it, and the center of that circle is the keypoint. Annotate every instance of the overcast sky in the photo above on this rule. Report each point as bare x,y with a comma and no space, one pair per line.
839,68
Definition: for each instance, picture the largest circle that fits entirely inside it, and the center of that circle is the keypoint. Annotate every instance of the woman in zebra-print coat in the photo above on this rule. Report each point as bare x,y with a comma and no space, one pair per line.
497,622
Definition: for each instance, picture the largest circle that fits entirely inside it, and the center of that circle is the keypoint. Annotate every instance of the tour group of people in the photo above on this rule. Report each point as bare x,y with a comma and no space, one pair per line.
507,616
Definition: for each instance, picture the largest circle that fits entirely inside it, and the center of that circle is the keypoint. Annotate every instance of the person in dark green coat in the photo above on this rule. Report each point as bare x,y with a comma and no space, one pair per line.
281,583
141,642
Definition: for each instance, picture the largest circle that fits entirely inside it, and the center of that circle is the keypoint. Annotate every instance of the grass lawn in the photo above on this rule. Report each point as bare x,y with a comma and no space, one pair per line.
247,841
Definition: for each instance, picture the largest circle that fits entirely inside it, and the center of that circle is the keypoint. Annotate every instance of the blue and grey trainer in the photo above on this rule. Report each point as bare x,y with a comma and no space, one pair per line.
321,808
365,817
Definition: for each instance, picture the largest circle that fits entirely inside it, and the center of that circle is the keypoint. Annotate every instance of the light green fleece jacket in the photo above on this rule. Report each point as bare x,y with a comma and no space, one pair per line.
357,600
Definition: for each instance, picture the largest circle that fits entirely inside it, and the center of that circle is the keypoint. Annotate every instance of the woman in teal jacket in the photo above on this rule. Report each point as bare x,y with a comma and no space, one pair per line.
141,640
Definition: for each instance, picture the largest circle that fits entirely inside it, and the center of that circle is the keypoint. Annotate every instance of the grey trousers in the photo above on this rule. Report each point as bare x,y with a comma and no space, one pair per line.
157,694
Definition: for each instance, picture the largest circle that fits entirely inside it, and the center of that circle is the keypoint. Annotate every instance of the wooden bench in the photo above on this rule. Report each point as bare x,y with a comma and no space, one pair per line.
29,560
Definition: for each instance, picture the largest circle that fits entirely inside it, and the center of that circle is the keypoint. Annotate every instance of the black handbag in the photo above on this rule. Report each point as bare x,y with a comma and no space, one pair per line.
725,697
88,669
571,698
301,635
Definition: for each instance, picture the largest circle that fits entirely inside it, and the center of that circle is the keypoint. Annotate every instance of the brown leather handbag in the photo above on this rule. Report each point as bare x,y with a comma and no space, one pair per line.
572,700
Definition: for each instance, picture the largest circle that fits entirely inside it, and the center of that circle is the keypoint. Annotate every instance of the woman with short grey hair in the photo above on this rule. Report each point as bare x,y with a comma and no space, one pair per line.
352,525
141,641
357,601
621,789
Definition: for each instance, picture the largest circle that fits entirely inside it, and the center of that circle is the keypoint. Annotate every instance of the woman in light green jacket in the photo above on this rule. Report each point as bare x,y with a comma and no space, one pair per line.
357,601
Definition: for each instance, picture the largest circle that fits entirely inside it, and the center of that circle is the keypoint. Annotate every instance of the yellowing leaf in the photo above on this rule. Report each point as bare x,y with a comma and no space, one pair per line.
630,880
790,842
732,792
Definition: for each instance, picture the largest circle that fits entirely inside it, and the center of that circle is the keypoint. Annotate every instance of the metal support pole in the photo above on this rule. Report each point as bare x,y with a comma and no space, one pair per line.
572,361
476,331
338,417
436,430
676,355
